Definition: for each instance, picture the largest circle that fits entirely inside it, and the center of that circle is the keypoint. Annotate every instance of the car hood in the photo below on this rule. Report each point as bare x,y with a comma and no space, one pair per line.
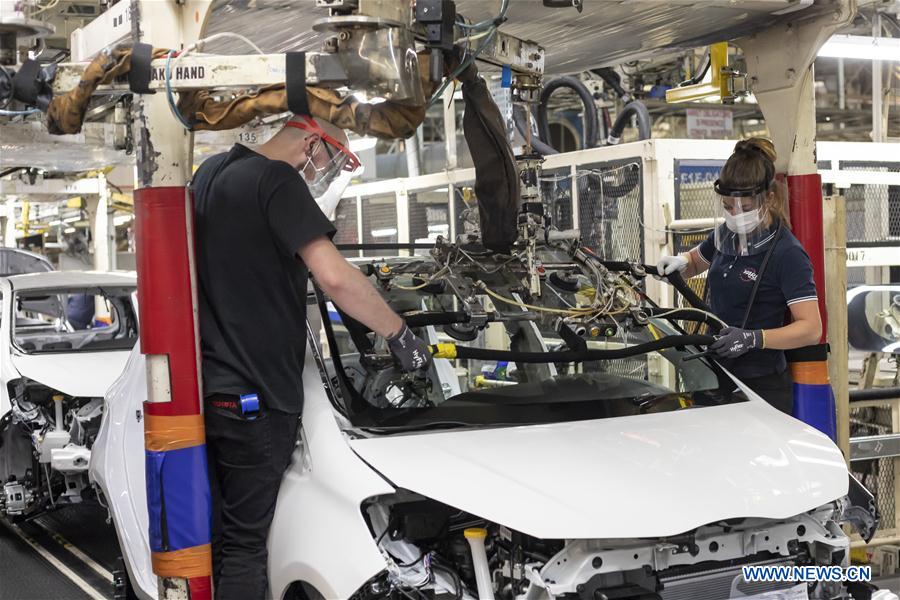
640,476
85,374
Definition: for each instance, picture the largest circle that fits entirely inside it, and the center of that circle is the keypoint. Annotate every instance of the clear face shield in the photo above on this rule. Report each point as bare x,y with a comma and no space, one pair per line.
742,220
329,159
328,200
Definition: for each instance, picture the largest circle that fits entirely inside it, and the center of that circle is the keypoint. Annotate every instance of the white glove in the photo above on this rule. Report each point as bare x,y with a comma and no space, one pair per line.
669,264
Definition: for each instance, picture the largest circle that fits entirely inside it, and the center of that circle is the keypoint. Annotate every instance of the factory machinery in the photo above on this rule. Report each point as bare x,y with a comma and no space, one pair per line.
560,303
539,323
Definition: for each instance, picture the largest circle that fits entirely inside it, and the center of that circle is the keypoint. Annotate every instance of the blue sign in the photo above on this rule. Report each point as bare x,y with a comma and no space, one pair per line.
707,173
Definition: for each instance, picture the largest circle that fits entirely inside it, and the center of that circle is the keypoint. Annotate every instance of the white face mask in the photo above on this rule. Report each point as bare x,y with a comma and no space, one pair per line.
742,223
318,184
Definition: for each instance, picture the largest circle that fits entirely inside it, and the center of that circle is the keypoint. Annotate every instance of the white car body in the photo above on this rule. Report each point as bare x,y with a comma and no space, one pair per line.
649,476
79,378
76,374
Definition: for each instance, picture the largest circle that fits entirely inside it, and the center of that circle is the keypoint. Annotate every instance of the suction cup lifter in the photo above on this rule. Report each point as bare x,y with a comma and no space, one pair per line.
373,47
374,53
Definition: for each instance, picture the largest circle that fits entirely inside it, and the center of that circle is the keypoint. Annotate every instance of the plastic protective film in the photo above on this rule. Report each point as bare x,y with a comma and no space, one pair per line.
573,41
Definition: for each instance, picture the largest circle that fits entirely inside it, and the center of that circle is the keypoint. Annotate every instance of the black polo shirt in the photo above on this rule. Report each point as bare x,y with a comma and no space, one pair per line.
788,279
252,215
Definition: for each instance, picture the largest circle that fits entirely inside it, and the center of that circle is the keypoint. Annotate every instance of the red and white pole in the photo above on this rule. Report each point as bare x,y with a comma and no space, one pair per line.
806,205
178,493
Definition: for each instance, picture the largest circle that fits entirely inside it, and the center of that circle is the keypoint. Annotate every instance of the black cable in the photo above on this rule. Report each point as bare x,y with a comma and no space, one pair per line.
594,185
612,79
385,246
675,280
591,127
418,596
433,318
890,18
9,79
12,170
637,109
61,54
457,582
381,537
409,564
670,341
539,146
698,77
686,314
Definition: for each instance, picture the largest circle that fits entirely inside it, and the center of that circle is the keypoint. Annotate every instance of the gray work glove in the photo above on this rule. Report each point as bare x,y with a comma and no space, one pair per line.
733,342
410,351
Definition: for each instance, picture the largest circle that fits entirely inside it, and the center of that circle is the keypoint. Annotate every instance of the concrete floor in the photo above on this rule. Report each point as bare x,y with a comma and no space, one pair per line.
68,554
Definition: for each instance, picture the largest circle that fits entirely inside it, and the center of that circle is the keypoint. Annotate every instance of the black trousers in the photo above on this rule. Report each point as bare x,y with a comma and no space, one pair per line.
777,390
246,460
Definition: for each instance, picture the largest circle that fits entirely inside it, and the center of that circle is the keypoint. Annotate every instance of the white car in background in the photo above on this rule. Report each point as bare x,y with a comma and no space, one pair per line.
65,337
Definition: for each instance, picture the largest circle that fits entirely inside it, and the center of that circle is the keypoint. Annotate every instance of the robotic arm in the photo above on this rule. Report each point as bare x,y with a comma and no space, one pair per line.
371,48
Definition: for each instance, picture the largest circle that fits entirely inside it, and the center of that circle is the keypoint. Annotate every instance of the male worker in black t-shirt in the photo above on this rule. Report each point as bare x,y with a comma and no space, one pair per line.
258,230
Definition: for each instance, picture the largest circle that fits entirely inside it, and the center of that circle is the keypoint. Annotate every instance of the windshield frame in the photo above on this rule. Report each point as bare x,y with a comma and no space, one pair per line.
350,403
120,290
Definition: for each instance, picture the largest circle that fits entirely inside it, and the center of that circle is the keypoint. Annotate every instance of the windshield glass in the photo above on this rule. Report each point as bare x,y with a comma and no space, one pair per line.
527,366
74,319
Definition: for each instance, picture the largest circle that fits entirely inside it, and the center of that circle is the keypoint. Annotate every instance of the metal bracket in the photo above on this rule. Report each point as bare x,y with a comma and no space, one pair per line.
521,56
738,85
717,88
874,446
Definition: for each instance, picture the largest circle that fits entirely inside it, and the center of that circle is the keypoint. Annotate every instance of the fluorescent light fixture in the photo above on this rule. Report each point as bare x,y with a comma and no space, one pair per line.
54,223
71,219
387,232
362,144
69,230
443,189
861,47
438,228
122,219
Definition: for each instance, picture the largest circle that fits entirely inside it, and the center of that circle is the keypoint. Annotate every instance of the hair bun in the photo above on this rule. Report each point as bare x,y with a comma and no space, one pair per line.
757,145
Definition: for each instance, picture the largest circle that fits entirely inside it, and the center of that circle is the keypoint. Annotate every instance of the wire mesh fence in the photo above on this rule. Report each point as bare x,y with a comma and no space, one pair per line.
876,475
556,192
347,224
873,211
379,218
610,209
429,215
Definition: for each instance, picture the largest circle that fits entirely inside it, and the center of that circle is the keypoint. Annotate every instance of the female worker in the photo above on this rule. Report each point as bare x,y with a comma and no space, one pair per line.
754,245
